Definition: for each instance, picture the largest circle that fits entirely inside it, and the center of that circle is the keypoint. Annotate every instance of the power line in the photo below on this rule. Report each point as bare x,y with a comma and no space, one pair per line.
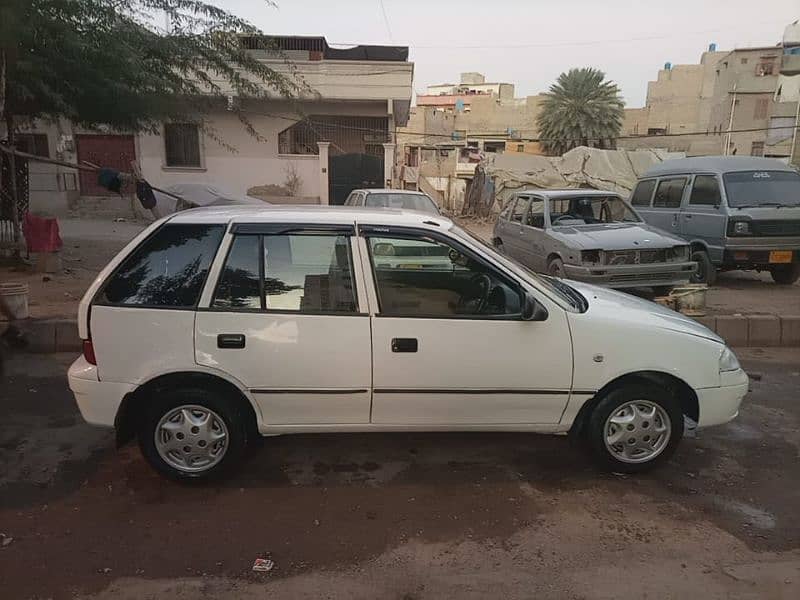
683,34
305,118
386,19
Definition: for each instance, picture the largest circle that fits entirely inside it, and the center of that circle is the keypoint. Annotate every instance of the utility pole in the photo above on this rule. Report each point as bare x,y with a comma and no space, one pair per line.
794,132
730,124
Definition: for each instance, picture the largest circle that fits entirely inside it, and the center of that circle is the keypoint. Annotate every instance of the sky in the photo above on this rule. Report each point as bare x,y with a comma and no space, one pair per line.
529,42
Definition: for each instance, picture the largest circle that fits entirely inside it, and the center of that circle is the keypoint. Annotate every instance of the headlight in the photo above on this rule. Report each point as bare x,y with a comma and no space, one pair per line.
728,361
680,253
739,228
590,256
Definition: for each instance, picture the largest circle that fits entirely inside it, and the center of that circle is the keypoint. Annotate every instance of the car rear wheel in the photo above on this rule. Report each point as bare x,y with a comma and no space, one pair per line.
192,434
785,274
556,267
706,271
634,428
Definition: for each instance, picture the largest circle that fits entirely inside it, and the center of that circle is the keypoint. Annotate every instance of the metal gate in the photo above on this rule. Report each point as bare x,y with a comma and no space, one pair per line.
108,151
347,172
6,202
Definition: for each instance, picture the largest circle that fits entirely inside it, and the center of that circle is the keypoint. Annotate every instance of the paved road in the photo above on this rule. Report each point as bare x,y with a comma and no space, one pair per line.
401,516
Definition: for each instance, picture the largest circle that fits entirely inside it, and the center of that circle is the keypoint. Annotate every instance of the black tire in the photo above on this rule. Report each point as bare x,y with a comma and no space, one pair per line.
785,274
662,290
555,268
498,245
706,271
221,403
613,400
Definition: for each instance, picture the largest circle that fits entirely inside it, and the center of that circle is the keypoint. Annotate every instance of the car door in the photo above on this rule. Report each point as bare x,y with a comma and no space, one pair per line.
667,201
443,359
702,216
517,238
533,236
284,319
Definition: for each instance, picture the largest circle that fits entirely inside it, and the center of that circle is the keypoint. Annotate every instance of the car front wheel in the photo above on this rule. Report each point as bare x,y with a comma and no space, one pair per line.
192,433
555,268
634,428
706,271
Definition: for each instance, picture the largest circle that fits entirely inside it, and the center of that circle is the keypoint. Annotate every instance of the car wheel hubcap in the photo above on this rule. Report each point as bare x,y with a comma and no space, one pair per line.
637,431
191,438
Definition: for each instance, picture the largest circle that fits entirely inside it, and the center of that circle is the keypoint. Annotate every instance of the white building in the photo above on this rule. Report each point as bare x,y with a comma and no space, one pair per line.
339,137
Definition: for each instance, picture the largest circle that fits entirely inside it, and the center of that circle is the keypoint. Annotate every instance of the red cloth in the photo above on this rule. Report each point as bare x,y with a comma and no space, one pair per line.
41,234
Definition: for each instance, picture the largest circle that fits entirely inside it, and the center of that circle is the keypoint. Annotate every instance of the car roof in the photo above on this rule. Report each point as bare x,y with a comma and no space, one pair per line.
715,164
312,214
389,191
567,192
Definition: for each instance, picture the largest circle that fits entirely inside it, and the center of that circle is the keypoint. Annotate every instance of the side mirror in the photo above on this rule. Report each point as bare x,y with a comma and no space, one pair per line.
532,310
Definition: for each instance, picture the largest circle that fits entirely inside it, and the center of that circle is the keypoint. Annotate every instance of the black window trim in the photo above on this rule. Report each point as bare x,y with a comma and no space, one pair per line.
285,229
151,235
416,233
652,193
684,176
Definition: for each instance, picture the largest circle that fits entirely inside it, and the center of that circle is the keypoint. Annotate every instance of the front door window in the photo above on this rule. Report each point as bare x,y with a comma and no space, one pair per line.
427,278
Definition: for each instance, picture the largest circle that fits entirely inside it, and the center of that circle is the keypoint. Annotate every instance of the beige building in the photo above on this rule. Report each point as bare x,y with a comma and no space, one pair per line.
735,102
453,126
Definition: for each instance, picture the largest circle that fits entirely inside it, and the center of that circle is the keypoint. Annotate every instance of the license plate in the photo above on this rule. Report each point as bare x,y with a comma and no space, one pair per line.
780,256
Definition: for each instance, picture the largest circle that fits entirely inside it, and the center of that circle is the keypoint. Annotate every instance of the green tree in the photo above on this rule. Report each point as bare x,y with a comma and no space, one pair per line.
580,109
108,62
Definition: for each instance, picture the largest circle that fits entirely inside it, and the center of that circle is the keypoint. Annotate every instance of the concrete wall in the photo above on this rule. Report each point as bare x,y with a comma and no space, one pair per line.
254,162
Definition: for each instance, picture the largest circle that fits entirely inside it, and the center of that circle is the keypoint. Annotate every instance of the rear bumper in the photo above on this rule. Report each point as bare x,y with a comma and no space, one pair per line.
97,400
622,276
719,405
744,257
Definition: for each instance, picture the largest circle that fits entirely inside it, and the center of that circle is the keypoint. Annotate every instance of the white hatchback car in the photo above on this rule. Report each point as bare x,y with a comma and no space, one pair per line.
216,325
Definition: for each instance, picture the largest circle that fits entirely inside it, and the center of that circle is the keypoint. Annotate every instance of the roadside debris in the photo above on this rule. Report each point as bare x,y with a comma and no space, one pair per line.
5,540
263,565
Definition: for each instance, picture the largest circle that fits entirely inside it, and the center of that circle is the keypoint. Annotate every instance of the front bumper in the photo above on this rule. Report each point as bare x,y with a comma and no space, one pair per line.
97,400
719,405
627,276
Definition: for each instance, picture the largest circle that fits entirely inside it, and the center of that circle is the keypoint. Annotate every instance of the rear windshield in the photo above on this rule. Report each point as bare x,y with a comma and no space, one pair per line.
762,188
168,269
418,202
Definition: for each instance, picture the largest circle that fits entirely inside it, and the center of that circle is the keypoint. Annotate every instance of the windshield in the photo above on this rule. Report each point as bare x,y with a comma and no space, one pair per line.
590,210
418,202
558,288
762,188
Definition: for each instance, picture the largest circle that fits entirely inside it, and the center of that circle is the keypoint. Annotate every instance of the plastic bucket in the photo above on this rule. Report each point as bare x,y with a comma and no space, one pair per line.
15,296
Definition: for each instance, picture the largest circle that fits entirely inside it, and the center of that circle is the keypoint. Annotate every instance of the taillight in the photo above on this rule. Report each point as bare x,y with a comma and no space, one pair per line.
88,352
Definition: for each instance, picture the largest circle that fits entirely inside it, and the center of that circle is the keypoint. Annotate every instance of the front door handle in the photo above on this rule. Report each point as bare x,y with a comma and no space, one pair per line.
234,341
405,344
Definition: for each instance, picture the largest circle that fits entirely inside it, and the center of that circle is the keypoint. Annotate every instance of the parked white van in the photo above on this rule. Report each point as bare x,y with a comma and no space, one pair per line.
216,325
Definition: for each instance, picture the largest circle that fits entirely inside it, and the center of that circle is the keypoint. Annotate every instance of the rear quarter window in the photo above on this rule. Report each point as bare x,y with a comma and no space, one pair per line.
643,193
167,270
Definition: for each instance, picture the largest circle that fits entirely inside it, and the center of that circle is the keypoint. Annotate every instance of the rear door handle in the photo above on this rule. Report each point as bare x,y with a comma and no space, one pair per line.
405,344
231,340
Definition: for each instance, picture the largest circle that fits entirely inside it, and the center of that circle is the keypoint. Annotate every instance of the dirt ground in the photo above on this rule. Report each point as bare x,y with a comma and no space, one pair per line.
405,516
736,292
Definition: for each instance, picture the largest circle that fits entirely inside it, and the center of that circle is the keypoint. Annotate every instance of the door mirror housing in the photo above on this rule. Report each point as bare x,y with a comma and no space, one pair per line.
532,309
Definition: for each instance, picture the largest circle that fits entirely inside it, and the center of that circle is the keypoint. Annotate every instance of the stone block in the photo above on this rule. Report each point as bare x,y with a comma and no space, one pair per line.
733,329
790,331
764,330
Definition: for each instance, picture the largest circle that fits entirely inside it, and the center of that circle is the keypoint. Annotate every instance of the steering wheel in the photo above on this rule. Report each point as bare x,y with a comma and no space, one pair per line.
481,284
560,217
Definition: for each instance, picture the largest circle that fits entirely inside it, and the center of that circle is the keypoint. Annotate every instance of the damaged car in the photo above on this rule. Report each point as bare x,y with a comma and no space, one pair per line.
592,236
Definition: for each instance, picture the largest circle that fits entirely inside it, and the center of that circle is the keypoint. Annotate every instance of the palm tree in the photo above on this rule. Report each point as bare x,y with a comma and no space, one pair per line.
581,109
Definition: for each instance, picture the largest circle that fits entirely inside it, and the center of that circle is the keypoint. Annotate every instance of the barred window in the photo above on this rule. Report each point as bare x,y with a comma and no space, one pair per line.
182,145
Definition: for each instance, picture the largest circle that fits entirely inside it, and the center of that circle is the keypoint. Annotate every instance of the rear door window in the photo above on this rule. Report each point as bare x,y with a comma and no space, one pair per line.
669,193
705,191
305,273
643,193
168,270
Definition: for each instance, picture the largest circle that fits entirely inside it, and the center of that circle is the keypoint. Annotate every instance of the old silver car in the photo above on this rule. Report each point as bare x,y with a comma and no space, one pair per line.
593,236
